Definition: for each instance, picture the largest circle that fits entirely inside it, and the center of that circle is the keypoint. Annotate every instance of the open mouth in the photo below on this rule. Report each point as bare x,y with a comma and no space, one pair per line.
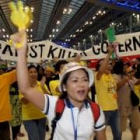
81,92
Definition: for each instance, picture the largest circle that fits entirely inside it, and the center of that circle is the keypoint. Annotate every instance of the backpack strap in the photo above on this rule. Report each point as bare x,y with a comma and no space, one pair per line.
60,105
95,110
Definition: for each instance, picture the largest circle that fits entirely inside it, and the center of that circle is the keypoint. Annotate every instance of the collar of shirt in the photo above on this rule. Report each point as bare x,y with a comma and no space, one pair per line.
69,104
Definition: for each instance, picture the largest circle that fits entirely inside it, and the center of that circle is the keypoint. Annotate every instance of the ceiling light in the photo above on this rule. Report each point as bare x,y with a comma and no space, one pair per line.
53,30
31,35
70,10
94,17
3,36
65,10
3,29
74,35
32,9
32,21
84,40
57,30
112,23
58,22
99,12
91,36
86,23
26,8
77,30
31,30
100,31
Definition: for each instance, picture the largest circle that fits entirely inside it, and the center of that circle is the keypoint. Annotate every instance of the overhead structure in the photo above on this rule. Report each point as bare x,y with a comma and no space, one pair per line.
75,21
122,5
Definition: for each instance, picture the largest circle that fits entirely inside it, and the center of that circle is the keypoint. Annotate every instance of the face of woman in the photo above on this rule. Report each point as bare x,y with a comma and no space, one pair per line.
77,86
32,74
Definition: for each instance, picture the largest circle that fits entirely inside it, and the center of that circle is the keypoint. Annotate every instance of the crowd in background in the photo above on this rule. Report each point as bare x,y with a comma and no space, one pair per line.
111,76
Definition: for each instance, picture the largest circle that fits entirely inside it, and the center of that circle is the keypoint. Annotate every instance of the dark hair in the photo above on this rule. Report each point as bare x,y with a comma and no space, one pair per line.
32,66
64,93
58,65
119,67
137,74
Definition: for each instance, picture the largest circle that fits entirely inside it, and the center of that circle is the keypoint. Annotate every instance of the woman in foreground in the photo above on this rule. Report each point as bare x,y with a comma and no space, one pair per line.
76,122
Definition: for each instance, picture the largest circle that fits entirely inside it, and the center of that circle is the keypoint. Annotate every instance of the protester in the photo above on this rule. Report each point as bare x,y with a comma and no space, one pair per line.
33,119
5,108
126,82
16,111
74,85
106,90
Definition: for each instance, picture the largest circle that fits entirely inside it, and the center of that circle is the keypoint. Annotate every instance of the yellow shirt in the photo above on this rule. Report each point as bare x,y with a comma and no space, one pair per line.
137,90
53,86
106,89
29,111
5,107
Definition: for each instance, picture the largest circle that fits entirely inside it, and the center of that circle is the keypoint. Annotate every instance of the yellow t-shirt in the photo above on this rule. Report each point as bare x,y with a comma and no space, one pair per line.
106,88
29,111
137,90
53,86
5,107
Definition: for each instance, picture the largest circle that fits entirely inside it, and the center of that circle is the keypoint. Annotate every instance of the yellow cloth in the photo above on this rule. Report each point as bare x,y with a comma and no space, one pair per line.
46,88
53,87
106,89
5,82
29,111
137,91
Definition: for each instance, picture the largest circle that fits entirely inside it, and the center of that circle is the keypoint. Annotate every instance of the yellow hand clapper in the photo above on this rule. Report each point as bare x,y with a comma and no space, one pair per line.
20,17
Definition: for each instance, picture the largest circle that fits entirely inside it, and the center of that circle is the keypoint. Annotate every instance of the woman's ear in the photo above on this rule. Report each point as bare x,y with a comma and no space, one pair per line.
64,87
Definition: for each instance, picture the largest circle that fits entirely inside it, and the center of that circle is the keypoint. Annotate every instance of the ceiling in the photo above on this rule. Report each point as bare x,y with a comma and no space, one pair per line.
71,21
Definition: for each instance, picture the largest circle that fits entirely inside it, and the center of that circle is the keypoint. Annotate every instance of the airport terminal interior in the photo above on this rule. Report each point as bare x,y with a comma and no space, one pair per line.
74,24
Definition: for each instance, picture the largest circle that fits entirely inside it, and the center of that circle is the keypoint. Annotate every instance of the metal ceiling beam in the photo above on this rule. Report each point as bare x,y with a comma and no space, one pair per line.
99,25
56,15
5,21
84,9
36,14
113,5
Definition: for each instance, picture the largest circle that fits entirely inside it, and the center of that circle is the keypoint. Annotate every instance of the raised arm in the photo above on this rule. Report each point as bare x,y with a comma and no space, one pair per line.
22,72
104,64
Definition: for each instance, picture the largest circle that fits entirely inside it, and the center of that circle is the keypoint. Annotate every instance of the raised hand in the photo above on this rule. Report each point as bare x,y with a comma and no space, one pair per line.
21,17
19,38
